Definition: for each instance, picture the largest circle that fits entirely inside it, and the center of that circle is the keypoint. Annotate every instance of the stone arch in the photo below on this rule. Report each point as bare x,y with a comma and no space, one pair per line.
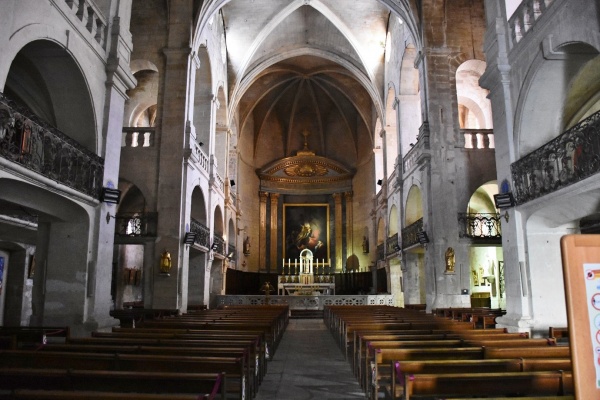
409,99
393,221
391,130
221,131
474,108
45,78
378,150
414,206
141,106
203,98
62,237
198,253
533,129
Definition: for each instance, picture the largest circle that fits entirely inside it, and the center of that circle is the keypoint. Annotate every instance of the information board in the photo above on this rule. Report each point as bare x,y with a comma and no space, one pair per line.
581,270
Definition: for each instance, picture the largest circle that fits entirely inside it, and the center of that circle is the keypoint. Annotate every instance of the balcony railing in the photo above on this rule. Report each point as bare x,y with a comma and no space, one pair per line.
202,233
525,17
381,251
28,141
477,139
409,234
414,155
141,224
91,19
139,136
479,226
219,245
391,245
567,159
231,250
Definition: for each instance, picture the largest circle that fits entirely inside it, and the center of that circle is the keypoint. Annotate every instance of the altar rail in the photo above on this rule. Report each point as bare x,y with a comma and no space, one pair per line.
308,302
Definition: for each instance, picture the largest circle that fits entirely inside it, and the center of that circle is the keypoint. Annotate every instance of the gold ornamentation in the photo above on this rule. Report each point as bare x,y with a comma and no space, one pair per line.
306,170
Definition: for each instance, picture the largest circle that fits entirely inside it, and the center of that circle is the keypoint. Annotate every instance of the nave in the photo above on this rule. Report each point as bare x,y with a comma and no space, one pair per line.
308,365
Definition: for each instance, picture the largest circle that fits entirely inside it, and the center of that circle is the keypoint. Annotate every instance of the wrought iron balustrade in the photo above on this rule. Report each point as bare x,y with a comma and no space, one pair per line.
479,225
391,244
410,233
566,159
231,250
142,224
202,233
381,251
28,141
219,245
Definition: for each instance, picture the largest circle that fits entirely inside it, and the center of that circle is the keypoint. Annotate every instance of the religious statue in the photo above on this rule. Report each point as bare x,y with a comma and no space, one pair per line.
475,278
365,245
246,247
450,261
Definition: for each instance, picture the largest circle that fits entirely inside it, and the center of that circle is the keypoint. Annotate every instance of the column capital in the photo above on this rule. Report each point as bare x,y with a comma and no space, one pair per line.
263,196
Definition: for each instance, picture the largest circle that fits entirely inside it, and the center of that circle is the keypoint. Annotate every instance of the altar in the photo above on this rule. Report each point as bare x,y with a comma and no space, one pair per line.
305,282
296,289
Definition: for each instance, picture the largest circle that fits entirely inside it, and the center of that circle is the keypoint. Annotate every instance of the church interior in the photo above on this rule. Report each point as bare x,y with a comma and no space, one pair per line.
195,155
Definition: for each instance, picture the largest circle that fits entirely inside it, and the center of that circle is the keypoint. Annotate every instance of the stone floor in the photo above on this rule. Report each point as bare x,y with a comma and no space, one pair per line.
308,364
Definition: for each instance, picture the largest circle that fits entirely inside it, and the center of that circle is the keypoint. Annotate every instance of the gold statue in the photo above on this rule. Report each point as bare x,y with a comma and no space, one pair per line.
450,261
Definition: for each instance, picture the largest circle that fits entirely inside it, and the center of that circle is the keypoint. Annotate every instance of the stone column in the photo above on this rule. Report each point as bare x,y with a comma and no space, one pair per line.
119,79
262,239
337,198
273,245
349,225
172,185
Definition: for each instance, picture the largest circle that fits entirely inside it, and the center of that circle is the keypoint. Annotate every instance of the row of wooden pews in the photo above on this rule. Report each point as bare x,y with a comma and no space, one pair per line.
204,354
399,353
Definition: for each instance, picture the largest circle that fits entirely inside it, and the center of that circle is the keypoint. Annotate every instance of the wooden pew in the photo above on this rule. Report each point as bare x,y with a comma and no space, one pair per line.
253,365
236,370
361,339
25,394
490,384
30,336
131,316
380,363
401,371
113,381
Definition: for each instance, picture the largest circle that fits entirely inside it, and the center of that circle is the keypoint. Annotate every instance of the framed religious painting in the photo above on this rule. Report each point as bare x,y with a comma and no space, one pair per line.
306,226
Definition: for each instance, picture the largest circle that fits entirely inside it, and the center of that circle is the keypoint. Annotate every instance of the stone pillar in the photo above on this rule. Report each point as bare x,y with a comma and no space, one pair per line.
119,79
337,198
273,244
171,178
349,225
262,239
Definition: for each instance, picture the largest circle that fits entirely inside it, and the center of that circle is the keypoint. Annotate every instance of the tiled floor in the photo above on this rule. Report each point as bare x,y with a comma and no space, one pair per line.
308,364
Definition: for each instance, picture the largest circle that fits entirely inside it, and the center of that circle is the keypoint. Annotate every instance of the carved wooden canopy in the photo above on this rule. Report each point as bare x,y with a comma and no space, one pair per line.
305,173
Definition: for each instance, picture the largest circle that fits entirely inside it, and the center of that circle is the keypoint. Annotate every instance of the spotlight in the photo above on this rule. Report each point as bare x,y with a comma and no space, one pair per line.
504,200
190,238
214,247
422,236
379,182
231,182
110,195
396,248
200,144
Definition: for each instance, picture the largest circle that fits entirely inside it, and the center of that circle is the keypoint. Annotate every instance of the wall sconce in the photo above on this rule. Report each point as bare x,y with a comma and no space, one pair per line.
504,200
422,237
110,195
379,182
231,183
165,263
240,230
190,238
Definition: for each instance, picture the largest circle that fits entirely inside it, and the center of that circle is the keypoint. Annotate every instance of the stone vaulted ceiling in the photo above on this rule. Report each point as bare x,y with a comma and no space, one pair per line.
298,66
